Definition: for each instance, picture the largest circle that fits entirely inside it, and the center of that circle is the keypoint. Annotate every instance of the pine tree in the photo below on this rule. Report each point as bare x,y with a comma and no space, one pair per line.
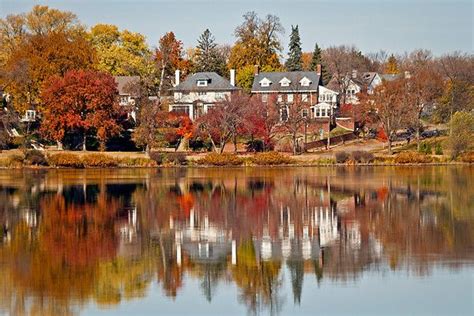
392,65
208,56
294,62
318,60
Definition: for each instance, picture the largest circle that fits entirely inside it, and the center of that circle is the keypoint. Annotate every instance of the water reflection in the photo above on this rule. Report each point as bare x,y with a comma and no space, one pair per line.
69,238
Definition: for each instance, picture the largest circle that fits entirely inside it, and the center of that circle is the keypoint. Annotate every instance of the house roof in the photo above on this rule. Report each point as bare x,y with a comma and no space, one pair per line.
124,81
293,76
214,83
390,77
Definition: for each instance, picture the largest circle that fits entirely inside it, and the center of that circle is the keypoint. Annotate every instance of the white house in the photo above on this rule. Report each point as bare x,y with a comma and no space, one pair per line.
326,105
200,91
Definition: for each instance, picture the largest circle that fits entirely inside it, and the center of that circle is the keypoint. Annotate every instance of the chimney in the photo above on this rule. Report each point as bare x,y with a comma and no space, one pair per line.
256,70
176,77
407,75
232,77
318,69
354,73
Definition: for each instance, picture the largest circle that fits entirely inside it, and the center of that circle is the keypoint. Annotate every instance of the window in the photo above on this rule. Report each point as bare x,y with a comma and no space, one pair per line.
323,113
202,93
284,114
280,98
285,82
304,113
304,98
202,83
31,115
264,97
181,109
289,97
317,114
305,82
265,82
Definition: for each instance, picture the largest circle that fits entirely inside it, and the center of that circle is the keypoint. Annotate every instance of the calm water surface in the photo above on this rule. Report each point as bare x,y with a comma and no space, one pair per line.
289,241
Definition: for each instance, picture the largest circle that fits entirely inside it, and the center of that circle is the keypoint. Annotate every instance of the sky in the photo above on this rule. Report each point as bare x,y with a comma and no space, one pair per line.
395,26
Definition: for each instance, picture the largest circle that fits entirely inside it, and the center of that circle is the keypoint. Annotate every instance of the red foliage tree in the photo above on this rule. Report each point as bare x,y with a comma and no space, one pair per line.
80,102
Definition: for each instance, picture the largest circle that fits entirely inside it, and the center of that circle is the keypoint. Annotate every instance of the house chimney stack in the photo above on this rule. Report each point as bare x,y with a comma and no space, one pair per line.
354,73
256,70
318,69
232,77
407,75
176,77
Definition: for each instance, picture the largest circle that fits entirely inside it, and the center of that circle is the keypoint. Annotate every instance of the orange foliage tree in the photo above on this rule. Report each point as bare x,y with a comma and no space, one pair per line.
81,101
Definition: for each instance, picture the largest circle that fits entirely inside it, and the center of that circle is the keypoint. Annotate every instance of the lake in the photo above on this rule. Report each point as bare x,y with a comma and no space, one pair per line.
238,241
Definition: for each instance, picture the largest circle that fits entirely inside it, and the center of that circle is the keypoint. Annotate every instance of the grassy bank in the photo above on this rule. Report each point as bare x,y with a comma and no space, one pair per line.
74,159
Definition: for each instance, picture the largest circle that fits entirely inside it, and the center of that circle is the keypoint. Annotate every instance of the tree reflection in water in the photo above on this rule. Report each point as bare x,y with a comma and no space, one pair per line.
71,237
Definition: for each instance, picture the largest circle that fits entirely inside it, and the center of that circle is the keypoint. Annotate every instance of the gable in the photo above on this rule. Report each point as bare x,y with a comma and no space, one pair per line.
305,82
285,82
265,82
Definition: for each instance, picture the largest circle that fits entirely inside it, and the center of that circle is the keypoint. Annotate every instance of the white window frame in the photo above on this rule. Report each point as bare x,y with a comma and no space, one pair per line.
265,98
201,83
289,97
304,97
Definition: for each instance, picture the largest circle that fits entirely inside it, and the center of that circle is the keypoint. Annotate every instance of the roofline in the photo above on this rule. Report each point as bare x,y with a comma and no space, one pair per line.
277,91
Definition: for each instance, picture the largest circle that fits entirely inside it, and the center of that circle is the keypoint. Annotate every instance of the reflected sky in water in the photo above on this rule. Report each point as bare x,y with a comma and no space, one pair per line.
271,241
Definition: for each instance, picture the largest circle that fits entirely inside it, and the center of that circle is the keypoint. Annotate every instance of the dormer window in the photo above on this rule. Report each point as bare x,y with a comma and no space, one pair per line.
265,82
305,82
202,83
285,82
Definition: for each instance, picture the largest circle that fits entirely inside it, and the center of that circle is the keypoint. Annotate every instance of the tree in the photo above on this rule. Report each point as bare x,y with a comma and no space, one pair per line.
462,135
83,102
389,107
294,117
208,57
293,63
341,61
257,42
224,122
424,87
392,65
458,94
150,120
316,59
121,53
38,58
41,20
169,57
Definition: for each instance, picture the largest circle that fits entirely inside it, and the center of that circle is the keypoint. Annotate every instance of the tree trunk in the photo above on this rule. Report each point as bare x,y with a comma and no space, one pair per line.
294,144
389,141
417,138
162,76
235,143
59,144
147,150
84,142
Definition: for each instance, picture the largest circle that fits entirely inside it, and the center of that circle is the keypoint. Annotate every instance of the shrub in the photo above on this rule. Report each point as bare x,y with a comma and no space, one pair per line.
225,159
425,148
99,161
362,156
157,157
468,157
178,159
35,157
412,157
16,160
438,149
272,158
325,161
136,162
65,160
341,157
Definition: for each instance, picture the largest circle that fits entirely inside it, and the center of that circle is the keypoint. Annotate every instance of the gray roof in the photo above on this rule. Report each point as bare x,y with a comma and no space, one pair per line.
390,77
214,83
293,76
124,81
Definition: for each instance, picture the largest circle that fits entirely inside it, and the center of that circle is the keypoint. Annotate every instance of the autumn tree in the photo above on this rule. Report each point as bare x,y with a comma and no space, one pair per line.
224,122
208,56
82,102
293,63
148,132
424,86
121,53
388,107
41,20
462,136
458,95
40,57
391,66
341,61
169,57
257,42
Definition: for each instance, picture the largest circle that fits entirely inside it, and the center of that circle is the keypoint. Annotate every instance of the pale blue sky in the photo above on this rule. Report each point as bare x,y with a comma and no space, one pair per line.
395,26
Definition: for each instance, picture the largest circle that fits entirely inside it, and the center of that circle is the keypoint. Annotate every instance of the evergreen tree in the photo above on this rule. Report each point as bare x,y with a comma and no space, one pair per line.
317,59
294,62
208,56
